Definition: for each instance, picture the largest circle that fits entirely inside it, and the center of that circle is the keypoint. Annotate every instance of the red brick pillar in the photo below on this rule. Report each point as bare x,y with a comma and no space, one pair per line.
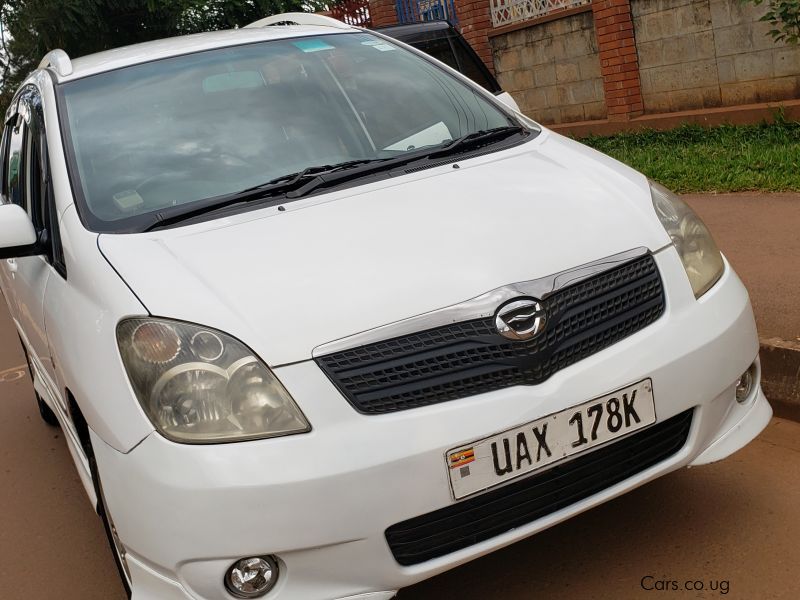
382,12
619,63
474,22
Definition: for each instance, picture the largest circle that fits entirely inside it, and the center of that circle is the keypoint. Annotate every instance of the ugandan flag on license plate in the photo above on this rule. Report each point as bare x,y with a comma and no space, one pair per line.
461,457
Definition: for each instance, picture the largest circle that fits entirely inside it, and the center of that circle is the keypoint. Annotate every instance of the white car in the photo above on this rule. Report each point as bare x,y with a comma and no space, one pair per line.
321,318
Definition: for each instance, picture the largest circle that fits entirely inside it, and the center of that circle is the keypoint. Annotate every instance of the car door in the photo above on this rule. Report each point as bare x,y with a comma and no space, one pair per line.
28,276
11,191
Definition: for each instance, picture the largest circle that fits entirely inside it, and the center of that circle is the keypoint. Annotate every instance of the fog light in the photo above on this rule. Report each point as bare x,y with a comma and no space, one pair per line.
251,577
744,385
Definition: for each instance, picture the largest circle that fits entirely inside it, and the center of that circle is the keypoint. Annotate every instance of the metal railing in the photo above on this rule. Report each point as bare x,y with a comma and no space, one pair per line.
506,12
414,11
352,12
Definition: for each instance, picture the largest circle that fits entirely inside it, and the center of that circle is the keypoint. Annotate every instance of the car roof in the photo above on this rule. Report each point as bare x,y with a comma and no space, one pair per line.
117,58
409,29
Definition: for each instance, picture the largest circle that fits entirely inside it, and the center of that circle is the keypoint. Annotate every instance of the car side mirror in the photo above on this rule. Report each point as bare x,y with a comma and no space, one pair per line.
17,234
506,99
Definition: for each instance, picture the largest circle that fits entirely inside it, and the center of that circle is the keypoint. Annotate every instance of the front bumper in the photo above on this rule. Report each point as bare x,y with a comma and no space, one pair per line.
321,501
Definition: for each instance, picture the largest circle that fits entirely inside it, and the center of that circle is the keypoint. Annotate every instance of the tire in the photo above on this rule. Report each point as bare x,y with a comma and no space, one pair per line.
47,414
115,545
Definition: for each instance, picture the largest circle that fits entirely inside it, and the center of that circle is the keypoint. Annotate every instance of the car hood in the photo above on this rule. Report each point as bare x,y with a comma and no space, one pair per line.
348,261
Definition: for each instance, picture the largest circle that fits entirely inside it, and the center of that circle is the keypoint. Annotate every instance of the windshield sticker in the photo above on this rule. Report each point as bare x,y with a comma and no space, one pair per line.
378,45
312,45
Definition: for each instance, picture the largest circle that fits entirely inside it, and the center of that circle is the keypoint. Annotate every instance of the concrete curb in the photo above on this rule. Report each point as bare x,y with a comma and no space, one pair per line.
743,114
780,376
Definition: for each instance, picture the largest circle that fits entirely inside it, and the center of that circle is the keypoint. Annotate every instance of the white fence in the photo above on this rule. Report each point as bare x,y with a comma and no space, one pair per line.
506,12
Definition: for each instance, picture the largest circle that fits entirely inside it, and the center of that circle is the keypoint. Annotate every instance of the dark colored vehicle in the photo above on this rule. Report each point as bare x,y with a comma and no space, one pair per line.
443,42
438,39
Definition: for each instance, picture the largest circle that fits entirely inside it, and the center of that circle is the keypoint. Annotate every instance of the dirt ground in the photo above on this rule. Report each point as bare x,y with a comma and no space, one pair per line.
760,235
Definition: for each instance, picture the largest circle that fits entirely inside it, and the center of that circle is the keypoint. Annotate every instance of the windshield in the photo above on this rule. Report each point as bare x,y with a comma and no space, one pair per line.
179,130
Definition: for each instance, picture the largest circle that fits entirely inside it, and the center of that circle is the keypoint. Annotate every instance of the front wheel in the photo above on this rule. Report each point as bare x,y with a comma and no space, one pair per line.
47,414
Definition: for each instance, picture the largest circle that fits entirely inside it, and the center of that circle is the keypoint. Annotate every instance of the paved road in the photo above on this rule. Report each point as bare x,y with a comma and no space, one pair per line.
50,538
759,235
732,525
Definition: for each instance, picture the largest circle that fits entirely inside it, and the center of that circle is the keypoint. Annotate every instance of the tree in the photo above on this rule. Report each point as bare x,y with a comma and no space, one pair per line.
210,15
5,63
31,28
784,16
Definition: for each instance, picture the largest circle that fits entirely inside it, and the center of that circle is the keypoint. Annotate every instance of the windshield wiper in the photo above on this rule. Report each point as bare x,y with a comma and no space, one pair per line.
476,139
274,187
292,185
465,142
291,179
302,183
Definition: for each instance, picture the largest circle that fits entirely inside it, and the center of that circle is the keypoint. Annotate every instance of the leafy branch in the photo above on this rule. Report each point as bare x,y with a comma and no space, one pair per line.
31,28
784,17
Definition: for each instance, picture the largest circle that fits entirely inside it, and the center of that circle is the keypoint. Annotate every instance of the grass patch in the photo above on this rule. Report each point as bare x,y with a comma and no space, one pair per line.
728,158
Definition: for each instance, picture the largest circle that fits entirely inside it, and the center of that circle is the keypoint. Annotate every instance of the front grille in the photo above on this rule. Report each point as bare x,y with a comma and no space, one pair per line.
495,512
471,357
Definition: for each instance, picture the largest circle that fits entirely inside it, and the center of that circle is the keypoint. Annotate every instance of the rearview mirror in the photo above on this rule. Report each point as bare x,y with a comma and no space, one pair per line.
506,99
17,234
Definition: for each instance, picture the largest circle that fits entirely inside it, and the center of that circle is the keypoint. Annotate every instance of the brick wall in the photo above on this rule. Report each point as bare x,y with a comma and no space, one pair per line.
696,54
751,66
618,59
677,59
382,12
474,22
552,69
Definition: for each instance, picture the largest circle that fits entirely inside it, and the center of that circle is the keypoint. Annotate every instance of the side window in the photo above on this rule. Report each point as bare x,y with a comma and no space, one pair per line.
440,50
37,201
471,65
38,187
3,169
14,164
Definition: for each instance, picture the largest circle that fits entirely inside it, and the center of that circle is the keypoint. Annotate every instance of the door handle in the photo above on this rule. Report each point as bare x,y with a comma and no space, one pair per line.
12,264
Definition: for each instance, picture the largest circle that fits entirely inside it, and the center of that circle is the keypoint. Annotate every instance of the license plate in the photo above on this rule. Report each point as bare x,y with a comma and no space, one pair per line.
531,447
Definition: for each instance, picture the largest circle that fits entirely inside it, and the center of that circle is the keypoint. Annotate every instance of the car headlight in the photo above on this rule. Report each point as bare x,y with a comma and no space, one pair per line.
199,385
699,254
